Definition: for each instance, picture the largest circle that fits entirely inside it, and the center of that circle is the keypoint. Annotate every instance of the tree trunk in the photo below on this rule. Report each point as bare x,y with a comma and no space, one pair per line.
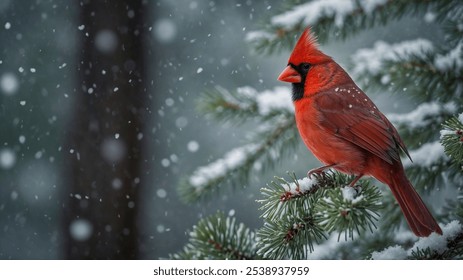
104,137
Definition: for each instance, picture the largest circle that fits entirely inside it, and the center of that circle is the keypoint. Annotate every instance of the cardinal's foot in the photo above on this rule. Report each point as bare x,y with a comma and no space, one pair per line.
357,188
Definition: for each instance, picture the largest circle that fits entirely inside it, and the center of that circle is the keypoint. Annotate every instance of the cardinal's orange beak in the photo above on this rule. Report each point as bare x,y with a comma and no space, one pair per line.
290,75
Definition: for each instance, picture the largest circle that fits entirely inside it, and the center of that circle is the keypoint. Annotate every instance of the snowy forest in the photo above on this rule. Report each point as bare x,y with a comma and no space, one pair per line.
158,129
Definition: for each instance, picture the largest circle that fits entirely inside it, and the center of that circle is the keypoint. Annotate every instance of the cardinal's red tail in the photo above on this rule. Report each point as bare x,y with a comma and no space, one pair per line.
418,217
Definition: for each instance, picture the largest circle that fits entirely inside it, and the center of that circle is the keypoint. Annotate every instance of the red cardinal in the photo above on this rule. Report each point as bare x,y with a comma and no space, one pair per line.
345,130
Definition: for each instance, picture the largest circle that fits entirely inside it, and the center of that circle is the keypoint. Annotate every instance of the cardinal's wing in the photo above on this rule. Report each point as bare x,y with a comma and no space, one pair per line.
356,119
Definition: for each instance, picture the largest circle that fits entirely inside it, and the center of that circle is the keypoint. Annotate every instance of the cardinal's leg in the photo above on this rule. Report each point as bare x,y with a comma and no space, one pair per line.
319,170
357,188
352,184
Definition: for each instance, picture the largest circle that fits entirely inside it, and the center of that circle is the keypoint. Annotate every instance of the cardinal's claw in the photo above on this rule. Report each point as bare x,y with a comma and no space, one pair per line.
358,189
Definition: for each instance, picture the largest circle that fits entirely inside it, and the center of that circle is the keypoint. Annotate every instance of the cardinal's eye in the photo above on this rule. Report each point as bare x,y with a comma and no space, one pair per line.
305,66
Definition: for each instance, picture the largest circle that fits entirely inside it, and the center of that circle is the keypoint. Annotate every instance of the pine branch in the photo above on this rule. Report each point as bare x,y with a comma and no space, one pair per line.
227,106
276,136
452,139
290,228
219,237
452,28
428,72
334,19
245,104
291,237
282,196
356,249
430,168
454,251
300,213
235,167
454,208
420,125
350,210
446,246
206,180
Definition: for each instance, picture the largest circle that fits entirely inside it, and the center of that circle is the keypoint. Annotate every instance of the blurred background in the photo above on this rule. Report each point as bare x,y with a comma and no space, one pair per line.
98,120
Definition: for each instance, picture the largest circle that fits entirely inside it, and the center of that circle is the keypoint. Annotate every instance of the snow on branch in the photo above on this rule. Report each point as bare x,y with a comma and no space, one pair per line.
416,67
253,36
432,246
329,18
234,165
424,115
311,12
274,137
278,99
266,102
371,61
430,167
427,155
453,60
232,160
280,195
326,249
246,102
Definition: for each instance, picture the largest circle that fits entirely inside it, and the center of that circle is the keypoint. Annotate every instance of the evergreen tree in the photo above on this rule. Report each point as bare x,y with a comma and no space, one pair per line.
302,218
